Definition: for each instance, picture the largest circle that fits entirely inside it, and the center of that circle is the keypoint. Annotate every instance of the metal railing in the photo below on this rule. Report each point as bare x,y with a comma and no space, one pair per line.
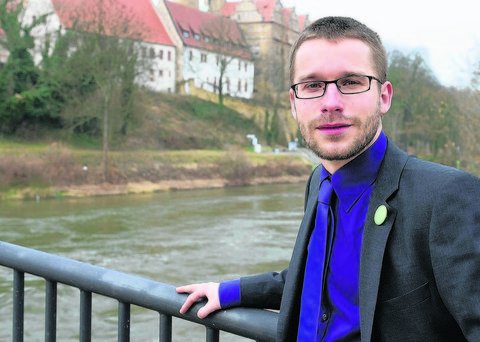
127,289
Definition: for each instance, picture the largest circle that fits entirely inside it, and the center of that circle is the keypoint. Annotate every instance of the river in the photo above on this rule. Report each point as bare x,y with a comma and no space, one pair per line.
172,237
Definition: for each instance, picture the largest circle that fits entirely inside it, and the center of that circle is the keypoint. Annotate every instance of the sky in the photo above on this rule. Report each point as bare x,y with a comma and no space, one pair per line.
445,33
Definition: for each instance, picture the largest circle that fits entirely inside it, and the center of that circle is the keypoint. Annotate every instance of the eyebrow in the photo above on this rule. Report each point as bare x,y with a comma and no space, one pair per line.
310,77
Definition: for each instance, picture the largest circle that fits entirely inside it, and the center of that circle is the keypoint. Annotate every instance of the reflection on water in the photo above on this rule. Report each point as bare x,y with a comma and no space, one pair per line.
173,237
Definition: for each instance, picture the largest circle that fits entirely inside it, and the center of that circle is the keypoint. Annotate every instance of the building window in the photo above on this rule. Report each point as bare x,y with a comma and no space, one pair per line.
185,34
152,53
169,55
228,84
144,52
246,66
239,65
190,57
160,73
152,75
203,58
239,86
160,54
246,86
218,60
196,36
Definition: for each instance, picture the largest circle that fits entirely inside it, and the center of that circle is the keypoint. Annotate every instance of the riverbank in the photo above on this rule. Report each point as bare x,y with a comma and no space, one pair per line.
106,189
56,171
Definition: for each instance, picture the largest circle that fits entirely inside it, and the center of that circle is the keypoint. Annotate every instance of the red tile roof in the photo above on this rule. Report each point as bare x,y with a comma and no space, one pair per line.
228,9
266,8
208,31
122,18
288,12
302,20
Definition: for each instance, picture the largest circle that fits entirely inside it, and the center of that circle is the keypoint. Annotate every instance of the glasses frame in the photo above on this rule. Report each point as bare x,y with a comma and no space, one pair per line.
370,78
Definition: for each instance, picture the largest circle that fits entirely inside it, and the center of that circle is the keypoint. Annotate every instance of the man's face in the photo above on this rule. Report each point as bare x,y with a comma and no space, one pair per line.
336,126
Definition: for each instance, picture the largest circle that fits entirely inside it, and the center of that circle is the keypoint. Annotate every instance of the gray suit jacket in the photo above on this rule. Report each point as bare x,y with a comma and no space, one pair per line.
420,269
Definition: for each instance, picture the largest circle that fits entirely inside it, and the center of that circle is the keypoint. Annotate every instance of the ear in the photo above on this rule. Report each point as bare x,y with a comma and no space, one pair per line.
386,95
292,104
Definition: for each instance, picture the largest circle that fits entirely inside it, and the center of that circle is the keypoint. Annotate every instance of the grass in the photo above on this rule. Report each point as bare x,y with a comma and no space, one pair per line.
44,170
172,137
12,146
185,122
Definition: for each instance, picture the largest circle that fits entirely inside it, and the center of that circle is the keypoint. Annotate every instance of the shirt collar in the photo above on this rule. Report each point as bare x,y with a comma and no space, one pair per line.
355,177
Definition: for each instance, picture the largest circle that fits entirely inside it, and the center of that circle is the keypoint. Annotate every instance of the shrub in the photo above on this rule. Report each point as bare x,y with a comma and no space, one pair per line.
236,168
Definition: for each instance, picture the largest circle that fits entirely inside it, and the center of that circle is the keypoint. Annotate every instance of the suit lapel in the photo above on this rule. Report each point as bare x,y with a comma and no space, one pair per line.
375,236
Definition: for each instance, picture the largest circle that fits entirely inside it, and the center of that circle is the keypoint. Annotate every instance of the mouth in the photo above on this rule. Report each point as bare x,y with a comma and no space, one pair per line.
333,128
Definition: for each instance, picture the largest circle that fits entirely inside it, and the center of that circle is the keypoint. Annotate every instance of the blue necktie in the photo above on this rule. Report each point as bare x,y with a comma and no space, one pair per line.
314,268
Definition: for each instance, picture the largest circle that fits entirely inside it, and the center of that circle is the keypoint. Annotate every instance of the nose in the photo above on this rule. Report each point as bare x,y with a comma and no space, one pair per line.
332,100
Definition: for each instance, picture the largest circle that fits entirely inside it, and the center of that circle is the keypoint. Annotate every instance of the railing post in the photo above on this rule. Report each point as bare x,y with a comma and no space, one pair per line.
85,316
18,305
123,322
50,311
213,335
125,288
165,328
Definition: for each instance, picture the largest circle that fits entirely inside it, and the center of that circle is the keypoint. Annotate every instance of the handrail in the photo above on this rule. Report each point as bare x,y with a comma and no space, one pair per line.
252,323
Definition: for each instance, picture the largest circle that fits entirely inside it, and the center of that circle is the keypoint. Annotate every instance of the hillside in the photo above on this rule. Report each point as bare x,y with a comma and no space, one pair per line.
175,142
170,121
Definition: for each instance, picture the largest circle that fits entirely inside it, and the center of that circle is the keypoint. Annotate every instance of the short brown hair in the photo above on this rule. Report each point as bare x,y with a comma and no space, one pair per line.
336,28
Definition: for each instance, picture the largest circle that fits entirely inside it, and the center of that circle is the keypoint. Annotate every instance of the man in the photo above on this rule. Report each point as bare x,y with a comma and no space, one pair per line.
396,254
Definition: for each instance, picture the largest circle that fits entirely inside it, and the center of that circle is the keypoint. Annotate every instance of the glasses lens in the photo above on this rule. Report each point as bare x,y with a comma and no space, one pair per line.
310,89
353,84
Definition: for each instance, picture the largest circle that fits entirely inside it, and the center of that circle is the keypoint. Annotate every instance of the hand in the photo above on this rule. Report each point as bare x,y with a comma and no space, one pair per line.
199,291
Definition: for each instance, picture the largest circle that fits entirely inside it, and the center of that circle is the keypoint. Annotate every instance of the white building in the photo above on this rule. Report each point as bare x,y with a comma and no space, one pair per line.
159,75
136,20
213,51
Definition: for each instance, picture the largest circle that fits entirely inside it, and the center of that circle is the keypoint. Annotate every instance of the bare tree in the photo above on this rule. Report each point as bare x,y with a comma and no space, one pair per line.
104,53
271,83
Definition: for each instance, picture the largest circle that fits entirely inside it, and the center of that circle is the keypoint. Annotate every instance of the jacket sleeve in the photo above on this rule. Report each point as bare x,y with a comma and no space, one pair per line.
263,290
455,251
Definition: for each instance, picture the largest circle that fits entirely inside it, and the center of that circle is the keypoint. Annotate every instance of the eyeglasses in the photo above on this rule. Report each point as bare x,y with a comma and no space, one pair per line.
353,84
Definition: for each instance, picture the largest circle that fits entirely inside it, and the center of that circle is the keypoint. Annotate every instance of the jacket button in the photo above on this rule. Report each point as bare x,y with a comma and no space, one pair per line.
324,317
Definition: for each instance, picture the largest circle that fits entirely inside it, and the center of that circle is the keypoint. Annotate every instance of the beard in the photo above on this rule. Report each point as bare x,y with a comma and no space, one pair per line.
369,129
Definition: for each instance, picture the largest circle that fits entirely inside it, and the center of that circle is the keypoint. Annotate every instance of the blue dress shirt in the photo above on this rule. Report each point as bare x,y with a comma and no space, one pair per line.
353,183
340,312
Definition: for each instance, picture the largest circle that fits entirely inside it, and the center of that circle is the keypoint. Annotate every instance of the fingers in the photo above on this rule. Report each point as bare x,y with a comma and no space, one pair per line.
206,310
186,288
191,299
197,292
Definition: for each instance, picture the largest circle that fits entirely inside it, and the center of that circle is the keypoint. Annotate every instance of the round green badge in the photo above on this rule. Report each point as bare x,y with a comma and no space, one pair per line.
380,215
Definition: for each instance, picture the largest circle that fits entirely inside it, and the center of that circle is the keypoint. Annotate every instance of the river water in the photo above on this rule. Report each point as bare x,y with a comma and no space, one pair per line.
172,237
